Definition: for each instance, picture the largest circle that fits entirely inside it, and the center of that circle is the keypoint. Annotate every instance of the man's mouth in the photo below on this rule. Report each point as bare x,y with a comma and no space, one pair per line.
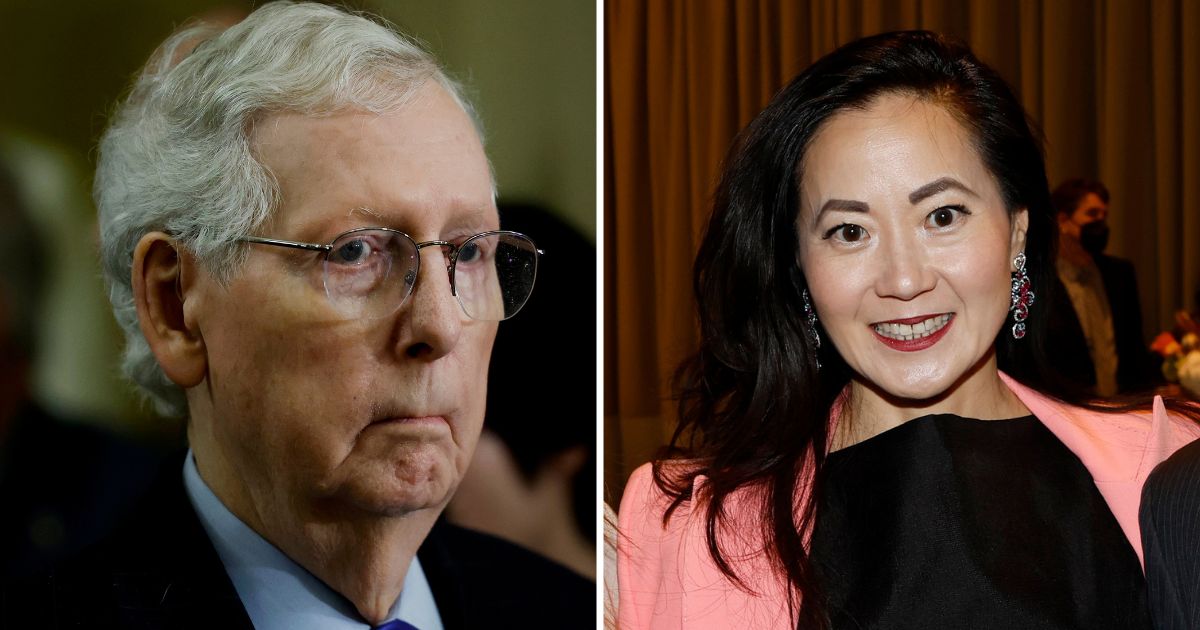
406,419
397,414
913,327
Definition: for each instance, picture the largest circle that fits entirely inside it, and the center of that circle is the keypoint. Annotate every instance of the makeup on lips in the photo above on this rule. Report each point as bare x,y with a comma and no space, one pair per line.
913,333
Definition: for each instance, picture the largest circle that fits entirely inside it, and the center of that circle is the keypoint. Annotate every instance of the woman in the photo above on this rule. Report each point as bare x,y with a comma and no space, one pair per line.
849,453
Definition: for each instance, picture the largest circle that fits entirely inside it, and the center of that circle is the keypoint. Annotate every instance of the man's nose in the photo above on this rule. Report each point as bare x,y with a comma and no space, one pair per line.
432,318
902,269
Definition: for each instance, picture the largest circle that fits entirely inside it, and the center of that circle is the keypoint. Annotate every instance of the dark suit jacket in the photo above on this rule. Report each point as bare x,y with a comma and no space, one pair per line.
1170,523
63,485
160,571
1066,345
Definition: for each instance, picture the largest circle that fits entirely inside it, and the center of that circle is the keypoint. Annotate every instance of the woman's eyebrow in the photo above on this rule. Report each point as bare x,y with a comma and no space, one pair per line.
937,186
845,205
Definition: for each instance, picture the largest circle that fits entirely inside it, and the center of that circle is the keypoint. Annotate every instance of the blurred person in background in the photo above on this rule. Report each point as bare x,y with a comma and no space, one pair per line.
533,479
299,232
1096,324
63,481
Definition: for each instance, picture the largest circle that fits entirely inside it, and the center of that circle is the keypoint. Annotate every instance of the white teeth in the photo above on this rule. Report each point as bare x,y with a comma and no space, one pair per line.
908,332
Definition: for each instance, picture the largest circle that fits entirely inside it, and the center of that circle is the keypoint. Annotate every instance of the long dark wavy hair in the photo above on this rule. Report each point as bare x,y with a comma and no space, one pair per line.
754,407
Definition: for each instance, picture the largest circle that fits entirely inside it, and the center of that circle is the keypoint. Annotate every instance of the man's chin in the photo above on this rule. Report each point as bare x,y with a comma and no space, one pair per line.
390,483
397,499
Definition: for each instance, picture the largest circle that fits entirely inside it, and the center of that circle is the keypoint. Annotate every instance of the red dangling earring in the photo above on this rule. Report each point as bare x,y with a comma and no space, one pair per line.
1022,297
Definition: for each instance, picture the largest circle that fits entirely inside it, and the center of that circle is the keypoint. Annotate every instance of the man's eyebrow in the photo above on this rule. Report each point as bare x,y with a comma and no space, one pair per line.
937,186
477,216
365,210
472,219
845,205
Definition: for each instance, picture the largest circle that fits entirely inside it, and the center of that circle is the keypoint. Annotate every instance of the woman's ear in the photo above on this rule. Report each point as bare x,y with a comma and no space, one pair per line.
1020,226
164,276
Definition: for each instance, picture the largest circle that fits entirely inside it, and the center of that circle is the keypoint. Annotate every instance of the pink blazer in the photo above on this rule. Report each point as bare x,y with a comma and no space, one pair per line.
666,578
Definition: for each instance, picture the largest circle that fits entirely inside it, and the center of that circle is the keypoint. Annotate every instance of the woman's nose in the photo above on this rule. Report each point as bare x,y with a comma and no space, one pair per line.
903,271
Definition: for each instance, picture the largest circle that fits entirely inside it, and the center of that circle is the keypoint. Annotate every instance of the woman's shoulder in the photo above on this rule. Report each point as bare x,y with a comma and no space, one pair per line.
649,549
1119,449
1141,439
642,493
1115,445
644,504
665,573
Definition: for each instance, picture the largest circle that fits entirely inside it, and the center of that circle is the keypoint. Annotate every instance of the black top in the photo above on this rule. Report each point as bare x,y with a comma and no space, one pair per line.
945,522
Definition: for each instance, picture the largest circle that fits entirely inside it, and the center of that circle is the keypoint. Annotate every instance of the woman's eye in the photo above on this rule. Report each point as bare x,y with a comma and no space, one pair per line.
847,232
945,216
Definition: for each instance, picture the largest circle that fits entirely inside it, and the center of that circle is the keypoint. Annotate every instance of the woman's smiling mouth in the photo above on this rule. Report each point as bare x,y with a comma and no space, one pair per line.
914,333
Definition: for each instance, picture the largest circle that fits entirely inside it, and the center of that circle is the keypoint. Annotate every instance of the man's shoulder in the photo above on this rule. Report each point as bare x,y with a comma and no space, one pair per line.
1171,497
492,582
1170,522
157,569
1178,476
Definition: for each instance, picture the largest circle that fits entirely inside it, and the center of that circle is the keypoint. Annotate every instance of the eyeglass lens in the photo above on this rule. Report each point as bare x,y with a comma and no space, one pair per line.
369,273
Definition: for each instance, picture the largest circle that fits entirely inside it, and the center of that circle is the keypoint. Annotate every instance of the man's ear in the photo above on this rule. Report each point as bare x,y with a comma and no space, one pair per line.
164,277
1020,226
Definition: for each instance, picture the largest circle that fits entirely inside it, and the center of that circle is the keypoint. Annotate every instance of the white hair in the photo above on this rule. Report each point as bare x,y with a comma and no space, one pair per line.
178,156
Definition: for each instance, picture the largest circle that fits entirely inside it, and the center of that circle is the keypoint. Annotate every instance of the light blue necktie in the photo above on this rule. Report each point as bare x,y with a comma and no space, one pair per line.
396,624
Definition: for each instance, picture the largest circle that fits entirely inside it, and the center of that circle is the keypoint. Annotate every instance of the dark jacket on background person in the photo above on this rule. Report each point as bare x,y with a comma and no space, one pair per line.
64,483
1067,348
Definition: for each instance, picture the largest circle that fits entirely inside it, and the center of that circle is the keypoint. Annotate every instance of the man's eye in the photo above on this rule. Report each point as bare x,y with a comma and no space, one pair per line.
469,252
847,233
352,252
476,251
945,216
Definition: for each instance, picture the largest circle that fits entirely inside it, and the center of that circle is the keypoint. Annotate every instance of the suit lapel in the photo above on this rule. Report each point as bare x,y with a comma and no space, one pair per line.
158,570
444,576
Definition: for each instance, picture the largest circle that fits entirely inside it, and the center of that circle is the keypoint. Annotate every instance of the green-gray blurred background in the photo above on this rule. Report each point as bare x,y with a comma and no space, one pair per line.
529,65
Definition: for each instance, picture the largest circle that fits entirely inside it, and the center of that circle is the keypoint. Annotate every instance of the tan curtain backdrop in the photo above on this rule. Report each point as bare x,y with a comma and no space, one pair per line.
1115,85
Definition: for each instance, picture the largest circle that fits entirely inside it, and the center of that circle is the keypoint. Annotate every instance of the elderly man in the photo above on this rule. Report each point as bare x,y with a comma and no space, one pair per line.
299,230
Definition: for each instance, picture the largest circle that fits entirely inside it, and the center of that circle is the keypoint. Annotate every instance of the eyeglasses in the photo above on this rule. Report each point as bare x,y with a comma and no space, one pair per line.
370,272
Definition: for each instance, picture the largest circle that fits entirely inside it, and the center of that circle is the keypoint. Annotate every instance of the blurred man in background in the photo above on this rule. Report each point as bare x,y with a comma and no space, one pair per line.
63,481
1096,326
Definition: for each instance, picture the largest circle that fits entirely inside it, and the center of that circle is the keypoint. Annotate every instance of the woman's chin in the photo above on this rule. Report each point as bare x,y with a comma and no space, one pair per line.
915,390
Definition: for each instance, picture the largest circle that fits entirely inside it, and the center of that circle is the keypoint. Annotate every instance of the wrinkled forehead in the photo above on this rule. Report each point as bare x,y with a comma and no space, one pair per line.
420,166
